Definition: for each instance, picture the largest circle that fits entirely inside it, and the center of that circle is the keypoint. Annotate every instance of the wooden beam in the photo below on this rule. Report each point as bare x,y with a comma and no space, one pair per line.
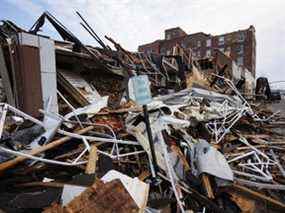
93,157
207,186
259,196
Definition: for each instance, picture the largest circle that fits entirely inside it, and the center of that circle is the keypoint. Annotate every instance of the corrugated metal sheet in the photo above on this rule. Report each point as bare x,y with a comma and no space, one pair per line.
28,39
48,72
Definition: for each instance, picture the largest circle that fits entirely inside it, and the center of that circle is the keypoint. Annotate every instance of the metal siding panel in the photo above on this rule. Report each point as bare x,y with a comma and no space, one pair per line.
28,39
48,72
47,55
49,89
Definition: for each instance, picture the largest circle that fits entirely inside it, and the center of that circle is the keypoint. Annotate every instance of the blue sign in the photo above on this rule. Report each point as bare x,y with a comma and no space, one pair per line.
139,89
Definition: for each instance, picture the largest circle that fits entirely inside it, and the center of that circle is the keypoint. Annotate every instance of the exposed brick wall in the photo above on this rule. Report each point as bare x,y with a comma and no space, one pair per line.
174,33
153,47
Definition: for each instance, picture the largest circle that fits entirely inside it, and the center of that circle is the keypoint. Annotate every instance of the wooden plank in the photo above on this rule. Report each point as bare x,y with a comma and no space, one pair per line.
93,157
108,198
144,175
259,196
77,87
207,186
71,90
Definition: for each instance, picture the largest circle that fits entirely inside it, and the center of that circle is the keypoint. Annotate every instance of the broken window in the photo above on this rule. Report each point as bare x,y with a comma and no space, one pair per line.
163,51
209,42
221,40
168,36
198,53
149,51
241,36
198,43
183,45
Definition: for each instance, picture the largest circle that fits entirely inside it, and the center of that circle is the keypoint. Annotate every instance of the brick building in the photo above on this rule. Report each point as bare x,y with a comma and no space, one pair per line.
241,45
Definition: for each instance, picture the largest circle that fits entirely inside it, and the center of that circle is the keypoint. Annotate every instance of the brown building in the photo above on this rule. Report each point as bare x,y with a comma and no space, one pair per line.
240,44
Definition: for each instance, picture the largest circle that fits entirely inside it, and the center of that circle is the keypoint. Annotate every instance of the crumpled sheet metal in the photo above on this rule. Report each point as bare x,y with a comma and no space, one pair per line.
158,123
91,109
209,160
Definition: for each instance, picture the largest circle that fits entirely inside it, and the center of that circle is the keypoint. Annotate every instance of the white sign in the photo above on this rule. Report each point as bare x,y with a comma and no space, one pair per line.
139,89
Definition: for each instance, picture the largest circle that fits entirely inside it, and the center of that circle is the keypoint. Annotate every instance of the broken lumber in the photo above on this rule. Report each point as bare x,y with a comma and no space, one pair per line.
11,163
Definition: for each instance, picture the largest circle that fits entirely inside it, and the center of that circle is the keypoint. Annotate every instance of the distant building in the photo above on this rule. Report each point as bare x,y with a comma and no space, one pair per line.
240,45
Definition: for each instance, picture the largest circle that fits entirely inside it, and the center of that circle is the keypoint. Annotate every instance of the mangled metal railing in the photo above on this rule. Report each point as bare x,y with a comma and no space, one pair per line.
85,139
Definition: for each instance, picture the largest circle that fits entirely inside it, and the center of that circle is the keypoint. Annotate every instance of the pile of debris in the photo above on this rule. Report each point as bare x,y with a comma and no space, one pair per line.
198,145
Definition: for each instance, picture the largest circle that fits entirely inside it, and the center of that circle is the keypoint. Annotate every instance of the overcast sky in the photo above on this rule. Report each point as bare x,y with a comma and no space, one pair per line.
134,22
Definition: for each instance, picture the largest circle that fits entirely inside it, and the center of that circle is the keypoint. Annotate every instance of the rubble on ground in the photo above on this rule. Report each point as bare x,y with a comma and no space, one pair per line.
74,138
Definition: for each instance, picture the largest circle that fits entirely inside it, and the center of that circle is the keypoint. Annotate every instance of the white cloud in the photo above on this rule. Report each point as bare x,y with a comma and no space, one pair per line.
27,6
134,22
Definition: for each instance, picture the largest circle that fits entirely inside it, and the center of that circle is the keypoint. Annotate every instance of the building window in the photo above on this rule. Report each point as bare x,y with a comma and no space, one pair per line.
149,51
240,61
209,43
198,43
162,51
198,54
241,36
208,53
240,49
168,36
221,40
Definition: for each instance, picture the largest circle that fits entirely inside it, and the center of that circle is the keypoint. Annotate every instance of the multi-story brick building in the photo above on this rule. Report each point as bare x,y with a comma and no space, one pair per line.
241,45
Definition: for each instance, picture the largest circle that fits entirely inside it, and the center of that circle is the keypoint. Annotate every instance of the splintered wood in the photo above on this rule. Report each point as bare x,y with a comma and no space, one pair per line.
93,157
108,197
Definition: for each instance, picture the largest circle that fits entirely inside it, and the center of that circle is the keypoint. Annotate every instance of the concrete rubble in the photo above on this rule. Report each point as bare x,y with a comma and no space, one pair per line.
75,139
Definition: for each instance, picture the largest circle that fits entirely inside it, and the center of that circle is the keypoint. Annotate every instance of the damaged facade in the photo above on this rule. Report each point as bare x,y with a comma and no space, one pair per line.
75,138
240,46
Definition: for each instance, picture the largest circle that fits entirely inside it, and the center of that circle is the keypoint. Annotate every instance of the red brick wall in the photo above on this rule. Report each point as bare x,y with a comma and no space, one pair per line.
231,40
153,47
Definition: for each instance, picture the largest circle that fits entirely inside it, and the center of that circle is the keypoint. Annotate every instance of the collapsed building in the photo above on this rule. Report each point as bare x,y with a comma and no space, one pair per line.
74,138
239,45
